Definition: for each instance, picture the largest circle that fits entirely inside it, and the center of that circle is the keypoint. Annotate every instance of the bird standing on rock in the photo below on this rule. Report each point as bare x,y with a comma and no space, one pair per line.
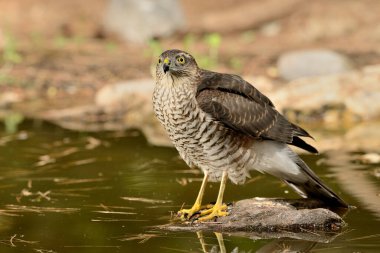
226,127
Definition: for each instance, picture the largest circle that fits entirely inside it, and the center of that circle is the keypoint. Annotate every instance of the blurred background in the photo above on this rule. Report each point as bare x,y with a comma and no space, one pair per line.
79,140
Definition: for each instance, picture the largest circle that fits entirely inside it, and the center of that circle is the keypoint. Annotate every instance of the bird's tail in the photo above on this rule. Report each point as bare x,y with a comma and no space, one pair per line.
313,187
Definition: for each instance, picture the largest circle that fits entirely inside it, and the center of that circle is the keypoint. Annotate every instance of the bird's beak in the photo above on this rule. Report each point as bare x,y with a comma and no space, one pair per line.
166,65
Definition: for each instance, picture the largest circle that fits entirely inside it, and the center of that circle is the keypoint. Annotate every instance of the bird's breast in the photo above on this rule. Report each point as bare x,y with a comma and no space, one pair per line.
178,112
199,139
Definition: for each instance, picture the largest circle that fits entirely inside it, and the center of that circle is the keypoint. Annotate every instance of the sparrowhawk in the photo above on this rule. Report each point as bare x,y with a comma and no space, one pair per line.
226,127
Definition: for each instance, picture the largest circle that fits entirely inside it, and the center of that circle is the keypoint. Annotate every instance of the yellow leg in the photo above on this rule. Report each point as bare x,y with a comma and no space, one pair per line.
186,214
219,209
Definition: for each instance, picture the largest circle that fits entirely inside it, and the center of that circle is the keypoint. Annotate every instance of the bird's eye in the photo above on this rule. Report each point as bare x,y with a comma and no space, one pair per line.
181,60
159,60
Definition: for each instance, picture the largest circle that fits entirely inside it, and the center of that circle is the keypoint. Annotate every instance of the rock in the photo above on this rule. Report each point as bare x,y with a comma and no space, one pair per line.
264,84
316,62
271,218
133,100
370,158
115,94
355,94
376,173
10,97
141,20
116,107
271,29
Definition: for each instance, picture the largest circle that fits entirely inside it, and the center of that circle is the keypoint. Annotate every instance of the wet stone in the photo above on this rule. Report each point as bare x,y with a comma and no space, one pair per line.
307,63
141,20
270,218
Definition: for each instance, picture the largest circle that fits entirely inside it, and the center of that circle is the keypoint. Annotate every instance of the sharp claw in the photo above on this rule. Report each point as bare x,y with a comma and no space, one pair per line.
195,214
193,221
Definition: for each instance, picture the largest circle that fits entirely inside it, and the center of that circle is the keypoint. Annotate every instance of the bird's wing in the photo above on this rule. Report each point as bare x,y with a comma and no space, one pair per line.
240,106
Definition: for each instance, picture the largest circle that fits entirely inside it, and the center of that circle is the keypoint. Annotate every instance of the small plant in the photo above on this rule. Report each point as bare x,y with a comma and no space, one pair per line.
6,79
12,121
155,48
248,36
213,41
10,53
36,39
188,41
60,41
111,46
154,51
236,63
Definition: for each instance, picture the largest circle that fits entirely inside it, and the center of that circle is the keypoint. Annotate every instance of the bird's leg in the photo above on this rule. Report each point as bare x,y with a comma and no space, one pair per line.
219,209
186,214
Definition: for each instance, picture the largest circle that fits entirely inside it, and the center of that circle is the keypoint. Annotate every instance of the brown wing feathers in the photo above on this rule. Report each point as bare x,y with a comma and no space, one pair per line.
241,107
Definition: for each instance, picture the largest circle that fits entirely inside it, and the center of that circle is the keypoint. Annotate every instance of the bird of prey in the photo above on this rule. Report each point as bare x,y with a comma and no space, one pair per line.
226,127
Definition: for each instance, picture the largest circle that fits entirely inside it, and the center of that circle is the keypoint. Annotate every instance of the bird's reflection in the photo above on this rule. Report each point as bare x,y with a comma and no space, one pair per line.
214,248
276,245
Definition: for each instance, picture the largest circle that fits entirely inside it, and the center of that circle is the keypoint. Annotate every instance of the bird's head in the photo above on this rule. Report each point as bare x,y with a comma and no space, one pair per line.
176,64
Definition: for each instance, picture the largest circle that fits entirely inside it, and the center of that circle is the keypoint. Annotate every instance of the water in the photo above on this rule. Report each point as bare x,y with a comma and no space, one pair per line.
64,191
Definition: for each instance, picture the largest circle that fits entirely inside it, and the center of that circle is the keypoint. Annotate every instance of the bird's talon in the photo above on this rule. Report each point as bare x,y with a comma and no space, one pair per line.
187,214
213,213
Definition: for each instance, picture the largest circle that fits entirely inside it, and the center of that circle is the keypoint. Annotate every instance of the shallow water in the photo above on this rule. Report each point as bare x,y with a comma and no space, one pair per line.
64,191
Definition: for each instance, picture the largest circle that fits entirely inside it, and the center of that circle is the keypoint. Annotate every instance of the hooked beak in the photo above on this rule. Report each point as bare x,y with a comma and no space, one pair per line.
166,65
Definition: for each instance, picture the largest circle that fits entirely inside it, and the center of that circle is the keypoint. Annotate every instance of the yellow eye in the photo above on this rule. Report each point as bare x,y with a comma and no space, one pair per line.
181,59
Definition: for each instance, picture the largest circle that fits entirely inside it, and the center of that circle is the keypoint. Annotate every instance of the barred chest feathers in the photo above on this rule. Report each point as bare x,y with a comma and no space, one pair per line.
200,140
176,110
